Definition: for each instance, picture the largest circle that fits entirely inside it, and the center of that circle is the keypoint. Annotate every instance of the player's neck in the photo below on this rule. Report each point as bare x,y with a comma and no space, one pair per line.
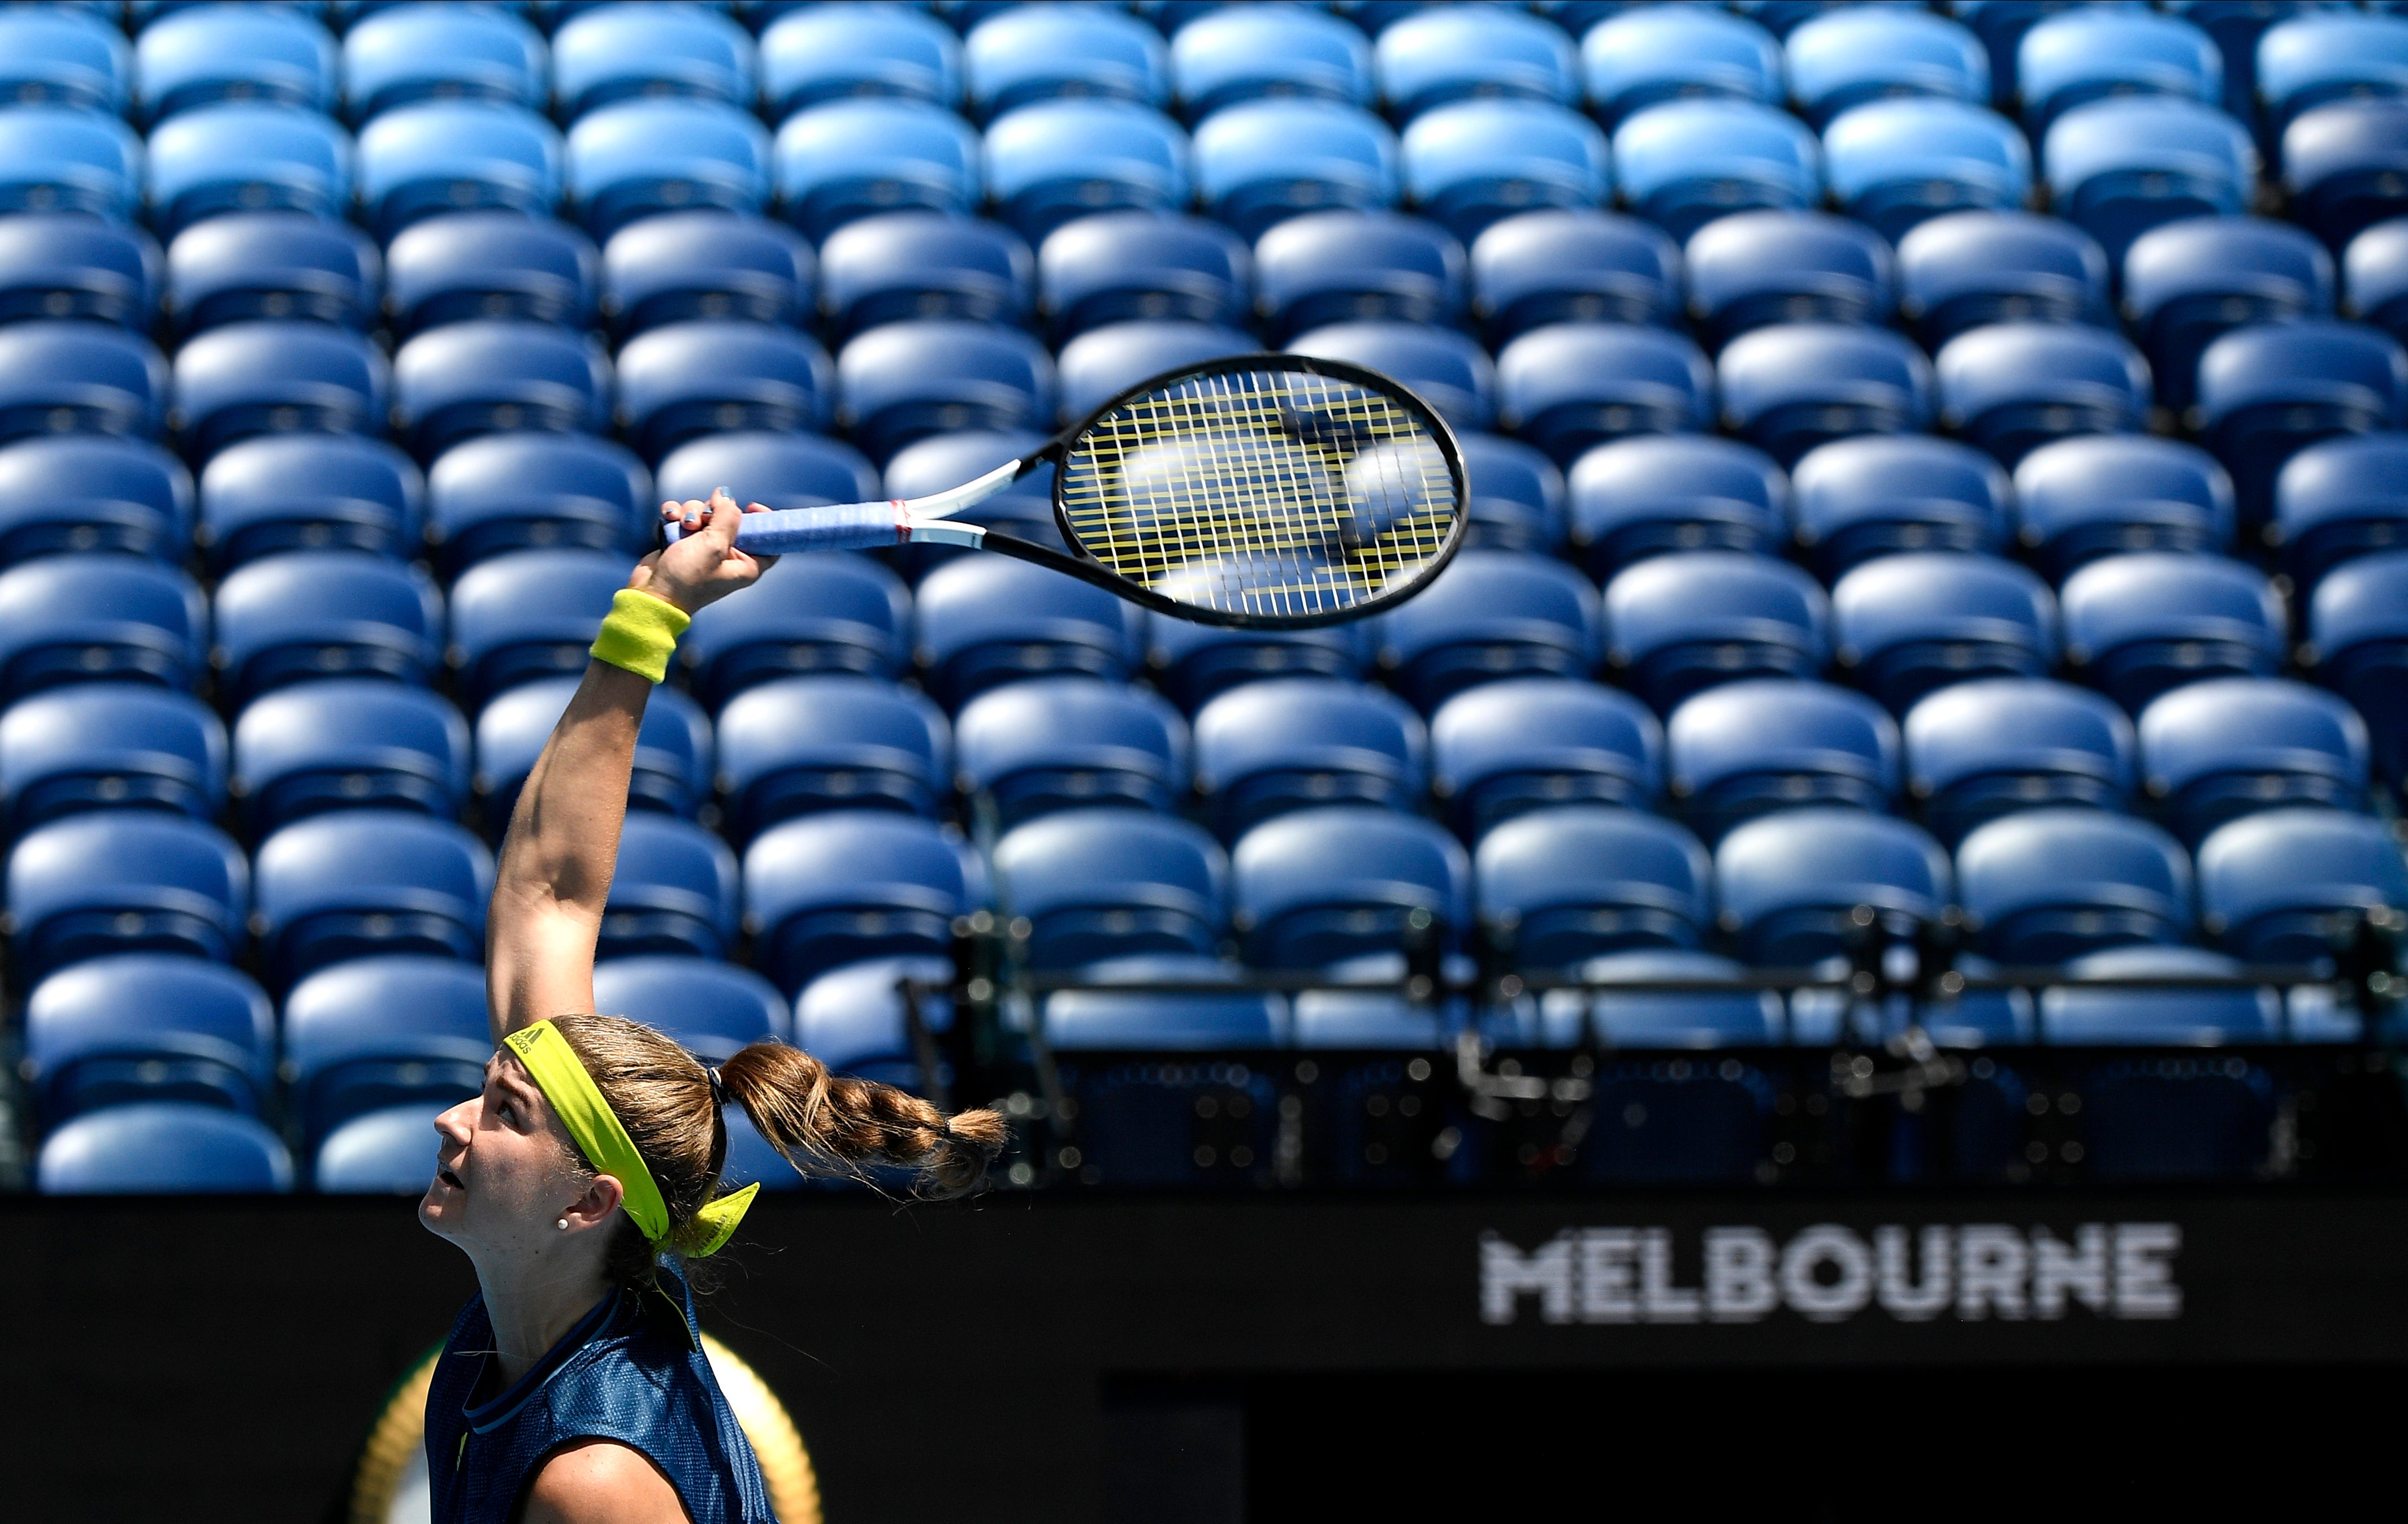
533,1306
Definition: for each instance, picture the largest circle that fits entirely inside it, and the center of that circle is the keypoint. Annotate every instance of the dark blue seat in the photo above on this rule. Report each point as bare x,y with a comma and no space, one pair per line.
1745,749
1757,267
1905,625
63,56
828,613
1788,885
1031,749
2098,495
607,53
400,56
2140,625
165,1147
2187,283
817,53
2096,52
800,744
1447,53
83,378
1854,55
1315,888
241,156
645,155
273,493
389,1030
204,54
982,621
1684,164
1559,266
1968,268
391,1151
1562,885
1265,749
1976,751
776,470
490,265
1025,54
148,1026
2044,885
1192,662
1884,493
1569,386
528,615
672,772
80,618
1104,884
1651,55
851,158
2226,747
440,158
1233,53
2374,276
1104,361
346,745
2237,26
82,492
941,462
841,886
1051,161
690,378
497,374
673,891
1686,620
2344,498
277,377
1503,749
1469,164
1691,1122
852,1018
125,881
2119,166
1647,495
2306,60
1116,267
1792,386
2011,387
1099,1017
106,745
352,883
1899,164
710,1009
904,380
498,492
924,264
2001,25
2293,886
1337,266
63,158
1260,162
1517,495
58,265
676,266
1490,615
2265,391
2341,166
310,614
2358,637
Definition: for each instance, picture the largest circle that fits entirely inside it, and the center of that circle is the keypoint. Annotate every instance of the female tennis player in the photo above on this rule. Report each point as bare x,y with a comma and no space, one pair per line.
573,1387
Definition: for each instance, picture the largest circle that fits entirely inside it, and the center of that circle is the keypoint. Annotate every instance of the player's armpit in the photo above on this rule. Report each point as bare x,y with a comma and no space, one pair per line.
601,1481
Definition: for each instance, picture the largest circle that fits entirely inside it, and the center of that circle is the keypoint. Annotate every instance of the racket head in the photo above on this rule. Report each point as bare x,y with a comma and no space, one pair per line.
1263,491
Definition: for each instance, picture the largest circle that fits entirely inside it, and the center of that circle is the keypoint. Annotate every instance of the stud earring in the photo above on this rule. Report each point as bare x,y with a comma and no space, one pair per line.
564,1225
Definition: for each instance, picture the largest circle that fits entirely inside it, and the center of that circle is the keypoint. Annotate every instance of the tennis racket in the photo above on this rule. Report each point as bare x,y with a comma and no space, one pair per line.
1265,491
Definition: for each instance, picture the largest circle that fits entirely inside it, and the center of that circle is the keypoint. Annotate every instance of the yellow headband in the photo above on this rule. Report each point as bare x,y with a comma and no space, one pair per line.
578,1103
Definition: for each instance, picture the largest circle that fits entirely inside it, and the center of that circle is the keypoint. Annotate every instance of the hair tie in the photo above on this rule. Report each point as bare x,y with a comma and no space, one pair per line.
718,1089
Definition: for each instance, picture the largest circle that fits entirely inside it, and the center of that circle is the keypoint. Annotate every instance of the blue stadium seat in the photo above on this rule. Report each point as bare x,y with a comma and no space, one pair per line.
673,891
490,265
206,54
2317,59
1260,162
852,1018
2001,25
1637,498
401,55
83,491
2044,885
1899,164
271,265
345,744
1192,662
2120,166
1744,749
1314,887
1035,53
1098,1017
2341,166
2139,625
646,155
1104,361
1758,267
1516,500
711,1010
391,1151
1684,164
1905,625
1490,615
1715,1146
609,53
688,379
273,493
1883,493
60,264
2358,636
441,157
841,885
1029,749
59,158
1335,267
820,54
1792,386
246,157
2187,283
86,378
2292,886
941,462
1562,885
1449,53
496,374
2179,1124
2226,747
1680,621
355,881
672,772
851,158
808,614
498,492
1235,53
2098,495
2344,498
1569,386
275,376
167,1148
675,266
1651,55
902,381
528,615
1266,749
1470,164
800,744
1057,160
82,618
2013,386
2095,52
125,881
1857,54
1788,883
309,614
1548,266
1968,268
1103,883
924,264
61,55
1503,749
2374,276
2265,391
777,470
394,1029
1783,16
1976,751
148,1026
986,620
1116,267
105,746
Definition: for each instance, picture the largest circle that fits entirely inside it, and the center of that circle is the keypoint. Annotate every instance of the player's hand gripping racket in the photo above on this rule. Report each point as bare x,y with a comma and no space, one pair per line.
1271,491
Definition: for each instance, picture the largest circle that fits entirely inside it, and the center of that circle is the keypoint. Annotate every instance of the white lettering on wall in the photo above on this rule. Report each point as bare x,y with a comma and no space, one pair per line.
1506,1273
1739,1274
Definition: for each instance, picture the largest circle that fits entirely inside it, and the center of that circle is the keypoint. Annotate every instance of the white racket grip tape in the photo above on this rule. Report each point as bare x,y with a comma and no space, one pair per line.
843,527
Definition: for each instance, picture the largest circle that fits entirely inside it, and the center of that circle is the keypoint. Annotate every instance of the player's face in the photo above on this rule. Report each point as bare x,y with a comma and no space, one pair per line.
504,1171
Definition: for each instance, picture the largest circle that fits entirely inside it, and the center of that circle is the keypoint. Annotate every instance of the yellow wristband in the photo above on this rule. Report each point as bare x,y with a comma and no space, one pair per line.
641,633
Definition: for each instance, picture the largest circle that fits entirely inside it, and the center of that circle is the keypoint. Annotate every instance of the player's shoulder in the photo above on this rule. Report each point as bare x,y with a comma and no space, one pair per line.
600,1481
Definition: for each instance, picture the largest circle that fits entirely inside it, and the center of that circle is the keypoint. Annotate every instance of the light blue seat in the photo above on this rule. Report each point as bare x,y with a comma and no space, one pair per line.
1098,1017
1740,750
1754,268
2293,886
685,380
2142,624
1650,54
985,621
710,1009
62,264
2269,390
63,158
242,156
1976,751
1470,164
2122,165
678,266
1516,500
852,1018
276,376
491,375
1191,663
2330,54
2094,52
672,771
1898,163
1104,361
439,157
532,489
1446,370
2096,495
272,264
924,265
2340,499
902,381
528,615
2225,747
2357,635
347,743
205,54
1490,615
1688,620
107,746
814,54
1094,885
1565,884
1662,1019
1791,387
1503,749
2187,283
1260,161
777,470
941,462
168,1147
673,892
1539,267
388,1152
275,493
1448,54
87,618
1234,53
1788,885
648,155
1653,493
1029,749
2341,165
147,1027
837,886
1849,56
86,491
1314,887
2237,29
1567,387
403,54
354,882
1684,164
61,55
1029,53
1908,623
1335,267
1881,494
125,881
798,744
833,613
1051,161
2171,1017
2011,387
2046,885
1269,748
2374,275
850,158
63,376
1965,270
1118,266
608,53
391,1031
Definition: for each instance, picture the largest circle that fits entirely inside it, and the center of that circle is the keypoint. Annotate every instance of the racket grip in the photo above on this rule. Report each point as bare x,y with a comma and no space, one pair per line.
845,526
